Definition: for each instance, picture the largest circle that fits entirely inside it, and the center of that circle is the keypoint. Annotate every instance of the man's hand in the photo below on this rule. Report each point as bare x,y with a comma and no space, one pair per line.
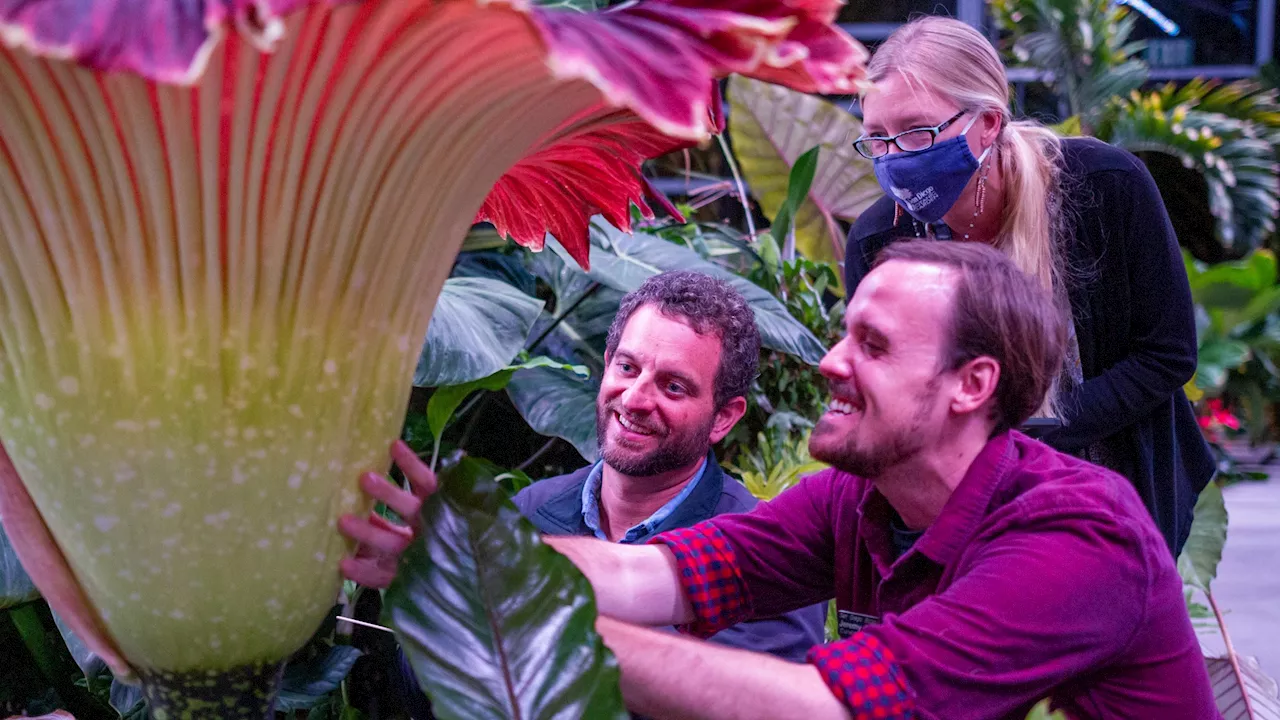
380,541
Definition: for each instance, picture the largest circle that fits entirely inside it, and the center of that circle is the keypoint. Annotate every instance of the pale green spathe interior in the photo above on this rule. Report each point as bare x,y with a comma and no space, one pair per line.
196,362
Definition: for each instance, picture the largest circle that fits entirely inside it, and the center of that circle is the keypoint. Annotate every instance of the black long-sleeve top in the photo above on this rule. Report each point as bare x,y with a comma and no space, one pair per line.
1134,321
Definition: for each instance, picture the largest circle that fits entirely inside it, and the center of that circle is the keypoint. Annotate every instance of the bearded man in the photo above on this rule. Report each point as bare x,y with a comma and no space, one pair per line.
679,359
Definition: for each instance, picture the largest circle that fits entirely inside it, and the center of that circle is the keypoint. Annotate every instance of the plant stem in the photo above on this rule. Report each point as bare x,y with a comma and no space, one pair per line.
546,446
27,622
482,398
742,187
560,316
435,452
1231,654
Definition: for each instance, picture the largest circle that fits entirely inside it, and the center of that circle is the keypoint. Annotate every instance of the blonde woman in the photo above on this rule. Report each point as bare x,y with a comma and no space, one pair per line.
1083,217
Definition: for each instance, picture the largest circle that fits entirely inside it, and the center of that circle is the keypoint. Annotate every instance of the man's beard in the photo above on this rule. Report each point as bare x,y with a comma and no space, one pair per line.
674,451
872,462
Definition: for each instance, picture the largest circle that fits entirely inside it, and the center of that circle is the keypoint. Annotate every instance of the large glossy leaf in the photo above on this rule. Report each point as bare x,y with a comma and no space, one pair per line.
15,585
510,268
1198,563
771,127
305,684
477,327
447,399
584,309
1232,285
623,261
1217,358
558,404
1238,169
496,624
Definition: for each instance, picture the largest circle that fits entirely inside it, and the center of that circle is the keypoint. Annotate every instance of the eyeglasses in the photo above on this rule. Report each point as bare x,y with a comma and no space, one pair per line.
913,140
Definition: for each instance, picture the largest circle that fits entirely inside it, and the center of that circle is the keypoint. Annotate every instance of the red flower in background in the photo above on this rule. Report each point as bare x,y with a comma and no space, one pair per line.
1216,416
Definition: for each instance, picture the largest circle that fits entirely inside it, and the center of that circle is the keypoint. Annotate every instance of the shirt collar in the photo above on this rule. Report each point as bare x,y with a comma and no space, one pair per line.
964,511
591,504
960,518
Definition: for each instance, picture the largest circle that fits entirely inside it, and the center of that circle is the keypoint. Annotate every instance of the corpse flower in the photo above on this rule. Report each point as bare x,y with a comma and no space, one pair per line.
223,226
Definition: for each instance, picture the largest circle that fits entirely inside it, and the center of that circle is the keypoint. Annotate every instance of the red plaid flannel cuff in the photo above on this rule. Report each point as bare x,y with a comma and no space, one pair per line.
862,673
710,576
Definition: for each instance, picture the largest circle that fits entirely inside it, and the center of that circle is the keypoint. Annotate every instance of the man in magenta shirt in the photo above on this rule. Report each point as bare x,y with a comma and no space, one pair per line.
976,571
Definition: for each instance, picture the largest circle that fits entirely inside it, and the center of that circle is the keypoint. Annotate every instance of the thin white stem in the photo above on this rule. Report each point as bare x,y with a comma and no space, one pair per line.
742,188
362,623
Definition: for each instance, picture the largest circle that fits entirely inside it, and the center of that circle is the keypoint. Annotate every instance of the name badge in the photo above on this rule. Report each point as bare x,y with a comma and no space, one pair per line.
848,623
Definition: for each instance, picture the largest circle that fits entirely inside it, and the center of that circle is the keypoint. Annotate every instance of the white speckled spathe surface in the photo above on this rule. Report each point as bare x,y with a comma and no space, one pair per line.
192,510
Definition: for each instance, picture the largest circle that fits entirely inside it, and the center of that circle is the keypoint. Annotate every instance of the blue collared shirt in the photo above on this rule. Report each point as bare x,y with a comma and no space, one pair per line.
591,505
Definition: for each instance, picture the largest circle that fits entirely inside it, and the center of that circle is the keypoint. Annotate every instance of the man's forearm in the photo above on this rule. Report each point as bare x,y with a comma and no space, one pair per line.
668,676
636,583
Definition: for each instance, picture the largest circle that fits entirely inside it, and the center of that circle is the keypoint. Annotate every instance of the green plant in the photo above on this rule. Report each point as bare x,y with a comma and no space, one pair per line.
1211,146
788,386
779,458
1084,43
1238,333
519,639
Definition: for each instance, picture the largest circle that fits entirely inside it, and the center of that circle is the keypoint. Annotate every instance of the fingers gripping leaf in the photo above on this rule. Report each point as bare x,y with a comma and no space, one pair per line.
494,623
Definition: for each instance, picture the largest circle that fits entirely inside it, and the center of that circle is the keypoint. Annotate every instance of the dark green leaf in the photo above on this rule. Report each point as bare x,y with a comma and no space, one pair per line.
1217,358
322,711
799,181
446,400
630,259
506,267
306,684
495,624
15,585
558,404
128,701
1198,563
1232,285
477,327
513,481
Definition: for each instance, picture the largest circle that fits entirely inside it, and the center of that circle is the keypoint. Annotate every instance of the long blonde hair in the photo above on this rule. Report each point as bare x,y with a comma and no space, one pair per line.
955,62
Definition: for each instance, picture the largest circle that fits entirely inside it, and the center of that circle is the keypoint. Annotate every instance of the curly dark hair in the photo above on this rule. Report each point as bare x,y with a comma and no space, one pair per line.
708,305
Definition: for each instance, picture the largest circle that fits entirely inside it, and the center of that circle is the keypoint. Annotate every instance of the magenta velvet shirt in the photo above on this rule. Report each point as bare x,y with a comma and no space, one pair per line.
1044,576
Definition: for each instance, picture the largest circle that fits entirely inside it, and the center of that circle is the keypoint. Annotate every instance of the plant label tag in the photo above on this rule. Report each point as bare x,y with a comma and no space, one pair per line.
848,623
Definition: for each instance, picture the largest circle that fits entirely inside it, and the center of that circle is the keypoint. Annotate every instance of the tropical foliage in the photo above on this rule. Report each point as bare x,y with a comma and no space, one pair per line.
1211,146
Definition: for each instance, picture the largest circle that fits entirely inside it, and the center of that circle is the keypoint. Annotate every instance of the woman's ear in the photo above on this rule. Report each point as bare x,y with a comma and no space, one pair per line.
992,124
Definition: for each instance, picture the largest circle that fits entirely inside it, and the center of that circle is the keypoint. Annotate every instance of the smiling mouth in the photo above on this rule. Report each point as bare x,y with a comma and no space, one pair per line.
632,426
841,406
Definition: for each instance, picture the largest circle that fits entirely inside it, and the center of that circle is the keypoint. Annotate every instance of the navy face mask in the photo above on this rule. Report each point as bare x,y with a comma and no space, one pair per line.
928,182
